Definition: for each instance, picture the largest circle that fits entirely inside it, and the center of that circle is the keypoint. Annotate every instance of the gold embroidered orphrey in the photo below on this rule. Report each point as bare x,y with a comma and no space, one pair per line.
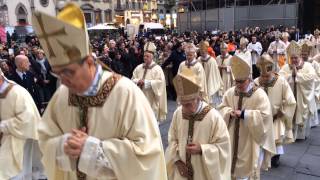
192,119
84,102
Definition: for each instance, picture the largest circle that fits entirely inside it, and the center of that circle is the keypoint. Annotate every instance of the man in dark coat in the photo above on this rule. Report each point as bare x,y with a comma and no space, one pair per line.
25,78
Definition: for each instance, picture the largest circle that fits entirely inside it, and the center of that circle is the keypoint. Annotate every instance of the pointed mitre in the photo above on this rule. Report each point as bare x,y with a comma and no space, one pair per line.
265,63
150,47
64,38
189,47
244,41
186,85
285,34
223,45
203,46
293,49
306,46
277,34
240,65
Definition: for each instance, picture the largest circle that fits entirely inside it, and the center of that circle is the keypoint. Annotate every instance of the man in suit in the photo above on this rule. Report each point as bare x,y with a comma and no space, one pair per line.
25,78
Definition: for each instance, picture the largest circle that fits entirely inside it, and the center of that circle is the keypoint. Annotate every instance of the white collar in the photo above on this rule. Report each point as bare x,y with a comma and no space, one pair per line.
20,73
93,89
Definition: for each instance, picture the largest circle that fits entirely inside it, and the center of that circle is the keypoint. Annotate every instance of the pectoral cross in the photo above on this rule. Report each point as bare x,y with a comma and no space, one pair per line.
46,35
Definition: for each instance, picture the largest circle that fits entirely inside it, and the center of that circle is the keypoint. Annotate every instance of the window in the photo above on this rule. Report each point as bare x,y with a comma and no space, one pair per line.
108,15
21,13
133,5
98,19
127,4
88,17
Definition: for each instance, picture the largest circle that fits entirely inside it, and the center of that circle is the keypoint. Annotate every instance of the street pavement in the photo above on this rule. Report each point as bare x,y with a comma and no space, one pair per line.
301,160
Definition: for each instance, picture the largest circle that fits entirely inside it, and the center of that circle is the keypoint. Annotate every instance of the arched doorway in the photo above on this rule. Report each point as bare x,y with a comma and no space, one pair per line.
22,14
4,15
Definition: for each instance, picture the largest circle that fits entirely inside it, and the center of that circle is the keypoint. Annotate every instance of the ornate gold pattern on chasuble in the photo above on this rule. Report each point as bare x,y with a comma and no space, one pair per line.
84,102
192,119
4,94
237,125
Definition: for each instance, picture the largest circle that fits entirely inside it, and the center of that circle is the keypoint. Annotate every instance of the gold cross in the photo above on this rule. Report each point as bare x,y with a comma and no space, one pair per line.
46,35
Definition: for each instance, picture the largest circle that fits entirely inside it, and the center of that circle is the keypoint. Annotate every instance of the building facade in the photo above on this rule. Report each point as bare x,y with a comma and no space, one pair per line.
167,10
135,11
18,12
95,11
228,15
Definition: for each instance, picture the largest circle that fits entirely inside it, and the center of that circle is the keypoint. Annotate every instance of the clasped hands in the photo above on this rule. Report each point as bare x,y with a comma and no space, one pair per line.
222,67
74,144
235,114
140,83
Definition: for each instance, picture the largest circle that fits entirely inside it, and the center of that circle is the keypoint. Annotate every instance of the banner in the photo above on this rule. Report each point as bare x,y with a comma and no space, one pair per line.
3,36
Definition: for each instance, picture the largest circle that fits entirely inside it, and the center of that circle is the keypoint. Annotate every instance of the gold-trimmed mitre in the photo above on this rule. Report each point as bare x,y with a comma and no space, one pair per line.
189,47
293,49
203,46
150,47
244,41
240,65
64,38
265,63
186,85
306,46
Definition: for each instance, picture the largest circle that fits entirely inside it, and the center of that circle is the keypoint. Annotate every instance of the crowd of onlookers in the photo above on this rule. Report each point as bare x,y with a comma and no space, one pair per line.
123,54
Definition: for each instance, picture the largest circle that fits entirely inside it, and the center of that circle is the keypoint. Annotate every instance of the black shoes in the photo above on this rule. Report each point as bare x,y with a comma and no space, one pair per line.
275,161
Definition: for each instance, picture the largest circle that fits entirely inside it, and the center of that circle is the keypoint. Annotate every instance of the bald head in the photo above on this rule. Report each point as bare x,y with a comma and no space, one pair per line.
22,63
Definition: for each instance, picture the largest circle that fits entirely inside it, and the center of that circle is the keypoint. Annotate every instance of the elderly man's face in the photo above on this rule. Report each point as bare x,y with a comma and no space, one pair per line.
148,57
266,76
24,64
224,52
204,53
77,77
304,55
295,60
190,107
190,55
242,85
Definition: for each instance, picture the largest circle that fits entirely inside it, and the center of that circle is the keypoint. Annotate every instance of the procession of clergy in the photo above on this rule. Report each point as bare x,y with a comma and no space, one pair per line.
100,125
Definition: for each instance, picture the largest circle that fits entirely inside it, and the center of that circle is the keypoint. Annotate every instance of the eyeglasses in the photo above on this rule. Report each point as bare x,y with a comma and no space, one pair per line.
240,81
65,73
68,73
